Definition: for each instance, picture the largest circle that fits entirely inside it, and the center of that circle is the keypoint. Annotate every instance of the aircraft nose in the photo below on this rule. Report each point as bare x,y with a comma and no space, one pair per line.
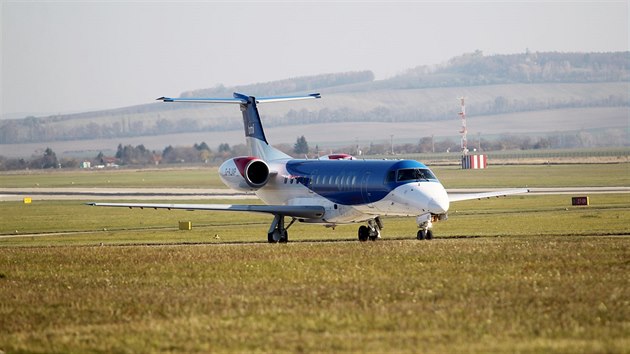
439,204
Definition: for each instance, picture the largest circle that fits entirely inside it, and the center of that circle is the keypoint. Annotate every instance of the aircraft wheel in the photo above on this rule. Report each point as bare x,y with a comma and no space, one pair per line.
284,237
273,237
421,235
364,232
278,236
429,235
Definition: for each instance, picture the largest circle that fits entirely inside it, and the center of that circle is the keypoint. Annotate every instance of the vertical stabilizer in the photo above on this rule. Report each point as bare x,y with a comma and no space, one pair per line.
254,133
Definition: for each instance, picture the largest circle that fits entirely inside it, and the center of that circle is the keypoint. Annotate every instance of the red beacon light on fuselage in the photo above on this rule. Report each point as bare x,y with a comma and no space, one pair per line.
337,157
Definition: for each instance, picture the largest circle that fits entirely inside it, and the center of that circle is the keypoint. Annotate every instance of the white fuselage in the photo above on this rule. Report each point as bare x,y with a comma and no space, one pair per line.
408,199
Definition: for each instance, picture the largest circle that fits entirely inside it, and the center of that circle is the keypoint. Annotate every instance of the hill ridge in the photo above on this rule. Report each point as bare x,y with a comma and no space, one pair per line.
499,83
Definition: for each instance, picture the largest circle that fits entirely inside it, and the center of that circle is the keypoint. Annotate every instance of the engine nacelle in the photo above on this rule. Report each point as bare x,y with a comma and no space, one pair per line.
244,173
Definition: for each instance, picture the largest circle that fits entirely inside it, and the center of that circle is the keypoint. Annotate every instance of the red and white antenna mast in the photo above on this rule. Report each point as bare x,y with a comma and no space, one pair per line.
464,130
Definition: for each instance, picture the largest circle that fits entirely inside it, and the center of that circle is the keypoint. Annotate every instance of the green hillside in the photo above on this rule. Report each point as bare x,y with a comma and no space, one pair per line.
493,85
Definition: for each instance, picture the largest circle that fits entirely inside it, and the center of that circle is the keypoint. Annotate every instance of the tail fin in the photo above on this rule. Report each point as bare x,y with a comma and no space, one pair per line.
254,132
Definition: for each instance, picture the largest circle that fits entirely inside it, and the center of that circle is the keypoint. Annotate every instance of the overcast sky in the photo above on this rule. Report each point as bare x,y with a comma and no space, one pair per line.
63,56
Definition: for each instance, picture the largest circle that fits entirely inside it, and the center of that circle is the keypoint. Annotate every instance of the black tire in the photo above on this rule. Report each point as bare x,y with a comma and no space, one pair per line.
284,238
272,237
429,235
364,232
421,235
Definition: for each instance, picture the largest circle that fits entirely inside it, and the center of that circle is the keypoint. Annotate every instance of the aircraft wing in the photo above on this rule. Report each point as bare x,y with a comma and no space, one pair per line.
299,211
458,197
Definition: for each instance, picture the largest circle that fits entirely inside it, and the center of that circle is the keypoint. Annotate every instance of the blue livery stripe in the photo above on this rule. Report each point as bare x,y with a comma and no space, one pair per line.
350,182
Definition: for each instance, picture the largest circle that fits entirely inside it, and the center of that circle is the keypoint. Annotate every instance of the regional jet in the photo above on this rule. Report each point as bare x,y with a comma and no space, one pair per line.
331,190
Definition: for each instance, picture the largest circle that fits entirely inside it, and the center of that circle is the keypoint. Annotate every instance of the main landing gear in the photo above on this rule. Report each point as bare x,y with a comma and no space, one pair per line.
372,231
277,232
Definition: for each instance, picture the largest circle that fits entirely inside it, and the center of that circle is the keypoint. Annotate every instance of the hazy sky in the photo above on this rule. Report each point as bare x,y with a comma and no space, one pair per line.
62,56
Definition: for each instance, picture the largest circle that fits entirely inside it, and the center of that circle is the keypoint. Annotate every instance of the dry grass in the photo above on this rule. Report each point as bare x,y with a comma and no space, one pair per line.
524,294
522,274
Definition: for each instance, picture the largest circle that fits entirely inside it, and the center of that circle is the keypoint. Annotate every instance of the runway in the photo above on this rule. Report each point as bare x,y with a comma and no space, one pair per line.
17,194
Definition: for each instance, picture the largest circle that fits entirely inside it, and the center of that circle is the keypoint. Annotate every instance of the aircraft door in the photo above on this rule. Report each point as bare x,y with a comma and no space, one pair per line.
310,184
365,188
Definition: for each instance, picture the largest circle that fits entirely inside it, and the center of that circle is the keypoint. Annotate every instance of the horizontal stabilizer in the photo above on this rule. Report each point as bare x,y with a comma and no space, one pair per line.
241,99
287,98
202,100
254,132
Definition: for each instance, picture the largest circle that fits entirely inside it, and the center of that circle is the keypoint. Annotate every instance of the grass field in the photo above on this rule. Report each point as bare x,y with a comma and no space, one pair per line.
520,274
201,177
522,294
547,215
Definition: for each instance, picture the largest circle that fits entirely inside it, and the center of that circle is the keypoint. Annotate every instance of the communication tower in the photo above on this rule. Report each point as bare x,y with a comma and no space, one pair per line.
464,130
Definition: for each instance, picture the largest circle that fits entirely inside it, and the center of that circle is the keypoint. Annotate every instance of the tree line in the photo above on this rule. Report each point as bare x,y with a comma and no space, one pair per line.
139,155
474,69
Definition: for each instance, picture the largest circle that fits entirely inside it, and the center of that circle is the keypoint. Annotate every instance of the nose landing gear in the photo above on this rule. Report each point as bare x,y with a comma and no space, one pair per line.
424,235
425,222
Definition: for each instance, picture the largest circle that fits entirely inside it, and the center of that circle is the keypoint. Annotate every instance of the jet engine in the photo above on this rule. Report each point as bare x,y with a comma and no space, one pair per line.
245,173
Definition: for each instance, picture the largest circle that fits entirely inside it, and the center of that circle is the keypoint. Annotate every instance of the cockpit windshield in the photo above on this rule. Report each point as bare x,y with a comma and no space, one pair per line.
414,174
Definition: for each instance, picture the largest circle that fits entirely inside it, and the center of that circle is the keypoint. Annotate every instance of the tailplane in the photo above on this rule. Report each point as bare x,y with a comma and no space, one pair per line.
254,132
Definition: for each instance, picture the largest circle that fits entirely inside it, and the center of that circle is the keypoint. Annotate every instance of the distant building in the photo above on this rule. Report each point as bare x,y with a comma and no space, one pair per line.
109,161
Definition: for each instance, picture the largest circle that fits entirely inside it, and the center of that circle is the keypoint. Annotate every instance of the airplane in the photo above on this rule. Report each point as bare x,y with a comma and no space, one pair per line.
331,190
